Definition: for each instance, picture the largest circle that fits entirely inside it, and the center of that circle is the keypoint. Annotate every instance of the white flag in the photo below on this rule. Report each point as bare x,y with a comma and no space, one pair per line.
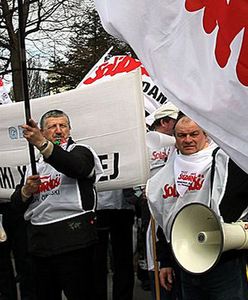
95,67
108,116
197,52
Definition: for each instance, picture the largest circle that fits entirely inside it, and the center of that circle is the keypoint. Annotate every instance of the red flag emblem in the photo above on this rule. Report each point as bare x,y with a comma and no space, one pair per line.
231,18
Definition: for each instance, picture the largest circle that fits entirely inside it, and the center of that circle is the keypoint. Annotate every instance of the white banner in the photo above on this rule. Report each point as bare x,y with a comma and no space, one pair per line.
108,67
196,51
108,116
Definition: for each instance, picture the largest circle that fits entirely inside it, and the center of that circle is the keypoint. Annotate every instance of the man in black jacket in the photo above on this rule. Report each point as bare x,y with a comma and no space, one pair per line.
59,203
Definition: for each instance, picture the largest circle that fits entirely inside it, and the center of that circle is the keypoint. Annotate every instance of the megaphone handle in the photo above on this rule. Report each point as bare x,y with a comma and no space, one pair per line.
156,271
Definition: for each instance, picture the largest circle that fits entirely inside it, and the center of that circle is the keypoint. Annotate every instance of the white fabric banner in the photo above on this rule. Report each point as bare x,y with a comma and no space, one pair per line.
196,51
108,116
110,66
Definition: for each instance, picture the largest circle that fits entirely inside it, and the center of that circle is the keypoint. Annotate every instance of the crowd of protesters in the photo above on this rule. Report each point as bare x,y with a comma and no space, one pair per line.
64,237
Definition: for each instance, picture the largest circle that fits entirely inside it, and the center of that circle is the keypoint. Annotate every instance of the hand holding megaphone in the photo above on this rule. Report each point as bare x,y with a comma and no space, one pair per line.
157,140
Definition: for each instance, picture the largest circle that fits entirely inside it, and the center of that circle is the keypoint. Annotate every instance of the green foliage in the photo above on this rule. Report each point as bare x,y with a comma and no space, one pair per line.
87,45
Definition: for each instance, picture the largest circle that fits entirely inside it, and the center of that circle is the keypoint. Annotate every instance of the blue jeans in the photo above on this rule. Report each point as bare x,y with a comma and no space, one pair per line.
226,281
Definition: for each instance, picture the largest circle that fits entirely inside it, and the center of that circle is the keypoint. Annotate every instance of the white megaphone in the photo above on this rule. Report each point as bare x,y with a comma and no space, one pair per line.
198,237
157,140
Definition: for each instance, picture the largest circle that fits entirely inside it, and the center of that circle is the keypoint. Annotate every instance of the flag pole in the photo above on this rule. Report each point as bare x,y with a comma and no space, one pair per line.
155,262
24,80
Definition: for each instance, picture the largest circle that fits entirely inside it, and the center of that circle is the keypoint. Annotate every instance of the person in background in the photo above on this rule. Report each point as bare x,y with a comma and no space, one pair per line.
4,95
223,186
115,219
14,248
59,204
164,122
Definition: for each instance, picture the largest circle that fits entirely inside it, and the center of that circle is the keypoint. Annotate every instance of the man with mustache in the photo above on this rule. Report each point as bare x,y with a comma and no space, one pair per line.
59,203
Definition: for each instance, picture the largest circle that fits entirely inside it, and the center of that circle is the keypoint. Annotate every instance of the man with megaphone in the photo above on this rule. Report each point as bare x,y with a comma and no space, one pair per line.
199,172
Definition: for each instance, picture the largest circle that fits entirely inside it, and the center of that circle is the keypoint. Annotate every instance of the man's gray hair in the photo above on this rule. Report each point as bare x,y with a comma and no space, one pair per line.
54,113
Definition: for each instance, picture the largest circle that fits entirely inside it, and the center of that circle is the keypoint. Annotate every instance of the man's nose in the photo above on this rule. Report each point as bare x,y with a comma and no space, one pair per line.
188,138
58,129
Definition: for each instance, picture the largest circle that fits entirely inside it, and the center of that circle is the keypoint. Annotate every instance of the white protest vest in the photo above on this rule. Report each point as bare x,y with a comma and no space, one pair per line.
164,200
157,159
59,196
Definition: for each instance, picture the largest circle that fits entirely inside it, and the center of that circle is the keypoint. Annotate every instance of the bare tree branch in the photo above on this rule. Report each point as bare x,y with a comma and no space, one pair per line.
47,27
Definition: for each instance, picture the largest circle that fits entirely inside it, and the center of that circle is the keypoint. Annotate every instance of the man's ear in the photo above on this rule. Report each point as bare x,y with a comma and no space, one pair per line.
163,123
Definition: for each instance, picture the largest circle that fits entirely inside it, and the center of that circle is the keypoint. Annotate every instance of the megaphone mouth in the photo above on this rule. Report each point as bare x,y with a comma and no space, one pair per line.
196,238
202,237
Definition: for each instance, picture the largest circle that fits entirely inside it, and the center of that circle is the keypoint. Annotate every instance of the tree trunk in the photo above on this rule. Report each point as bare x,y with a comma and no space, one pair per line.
16,72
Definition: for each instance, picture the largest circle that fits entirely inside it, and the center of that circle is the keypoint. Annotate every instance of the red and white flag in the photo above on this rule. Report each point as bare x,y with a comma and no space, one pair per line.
110,66
197,52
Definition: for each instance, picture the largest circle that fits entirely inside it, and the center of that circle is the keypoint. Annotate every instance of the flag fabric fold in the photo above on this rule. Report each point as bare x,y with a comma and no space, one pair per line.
196,52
